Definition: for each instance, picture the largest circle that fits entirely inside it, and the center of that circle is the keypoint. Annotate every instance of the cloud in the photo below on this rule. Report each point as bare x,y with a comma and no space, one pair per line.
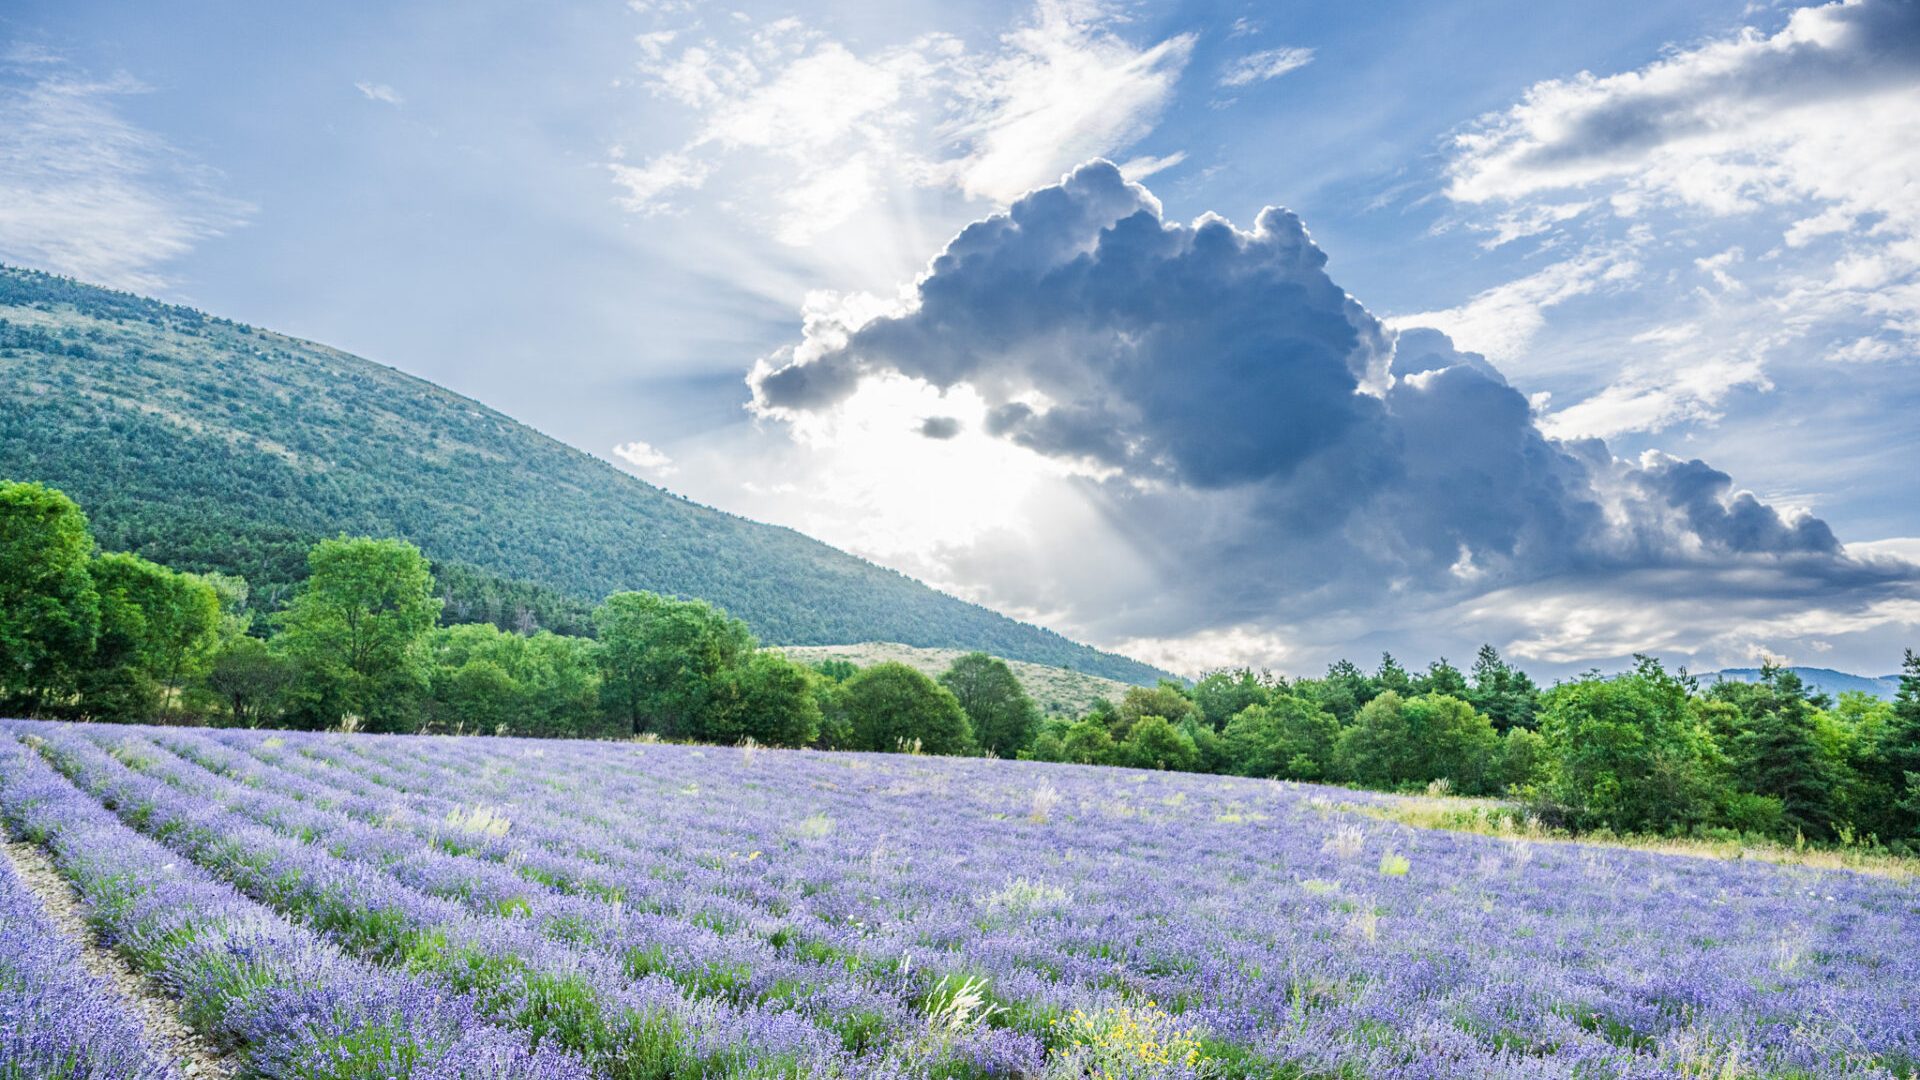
1794,154
644,457
940,427
86,192
1291,469
380,92
804,131
1265,64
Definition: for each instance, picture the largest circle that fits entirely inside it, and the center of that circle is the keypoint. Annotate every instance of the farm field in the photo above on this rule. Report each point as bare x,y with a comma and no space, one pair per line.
325,906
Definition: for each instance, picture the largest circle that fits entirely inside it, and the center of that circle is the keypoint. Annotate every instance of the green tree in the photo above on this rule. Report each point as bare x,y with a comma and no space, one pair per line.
1391,676
1223,695
1153,743
1344,690
49,608
157,627
1398,741
1168,701
1505,693
768,699
1777,753
1523,758
890,705
355,627
665,661
1088,743
1897,755
250,681
1442,678
1003,717
1291,738
1627,752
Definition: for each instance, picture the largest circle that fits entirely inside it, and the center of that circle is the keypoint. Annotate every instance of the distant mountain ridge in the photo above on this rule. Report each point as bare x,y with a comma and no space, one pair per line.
1825,680
211,445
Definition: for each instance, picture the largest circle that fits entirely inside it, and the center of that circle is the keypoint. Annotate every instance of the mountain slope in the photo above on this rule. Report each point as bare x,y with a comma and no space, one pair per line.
1825,680
211,445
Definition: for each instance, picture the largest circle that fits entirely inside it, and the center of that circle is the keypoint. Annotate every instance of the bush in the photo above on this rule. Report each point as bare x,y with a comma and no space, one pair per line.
891,705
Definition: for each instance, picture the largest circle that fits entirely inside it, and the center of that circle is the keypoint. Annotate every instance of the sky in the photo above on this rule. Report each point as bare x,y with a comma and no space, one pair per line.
1214,333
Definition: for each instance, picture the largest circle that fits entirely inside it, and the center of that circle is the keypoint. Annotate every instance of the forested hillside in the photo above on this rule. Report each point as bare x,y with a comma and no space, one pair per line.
209,445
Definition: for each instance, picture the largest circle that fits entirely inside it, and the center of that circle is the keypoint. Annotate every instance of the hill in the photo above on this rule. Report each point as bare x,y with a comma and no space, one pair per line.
211,445
1058,691
1825,680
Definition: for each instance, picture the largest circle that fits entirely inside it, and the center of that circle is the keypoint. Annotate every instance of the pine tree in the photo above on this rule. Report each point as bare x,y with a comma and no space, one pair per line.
1778,755
1898,755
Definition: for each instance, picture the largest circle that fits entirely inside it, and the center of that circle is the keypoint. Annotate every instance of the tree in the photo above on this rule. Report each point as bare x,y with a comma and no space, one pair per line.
1155,744
1627,752
1168,701
1088,743
1897,755
1223,695
156,628
1442,678
1398,741
768,699
1776,752
250,681
1523,758
1505,693
1344,690
890,705
355,627
1291,738
1391,676
49,608
664,661
1004,718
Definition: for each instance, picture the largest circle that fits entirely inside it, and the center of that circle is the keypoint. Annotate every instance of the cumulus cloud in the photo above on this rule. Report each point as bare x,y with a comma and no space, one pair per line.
644,457
86,192
1290,466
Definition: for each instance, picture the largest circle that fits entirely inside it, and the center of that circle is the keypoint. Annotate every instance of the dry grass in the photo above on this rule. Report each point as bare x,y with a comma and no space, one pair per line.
1492,817
1057,691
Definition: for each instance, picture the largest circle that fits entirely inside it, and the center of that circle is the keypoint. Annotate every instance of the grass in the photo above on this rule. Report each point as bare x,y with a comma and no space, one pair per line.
1492,817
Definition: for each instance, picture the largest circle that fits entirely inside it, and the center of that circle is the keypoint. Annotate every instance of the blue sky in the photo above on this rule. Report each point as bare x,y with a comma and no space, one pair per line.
1691,231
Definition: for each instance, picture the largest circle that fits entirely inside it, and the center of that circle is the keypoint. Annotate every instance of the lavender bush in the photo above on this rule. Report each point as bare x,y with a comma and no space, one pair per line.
678,911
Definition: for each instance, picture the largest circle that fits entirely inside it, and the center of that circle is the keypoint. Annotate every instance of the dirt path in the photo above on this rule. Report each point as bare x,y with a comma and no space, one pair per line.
154,1008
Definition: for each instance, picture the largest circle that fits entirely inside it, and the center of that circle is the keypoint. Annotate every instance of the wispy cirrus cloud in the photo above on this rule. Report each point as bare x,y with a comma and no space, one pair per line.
1266,64
380,92
86,192
1789,158
804,130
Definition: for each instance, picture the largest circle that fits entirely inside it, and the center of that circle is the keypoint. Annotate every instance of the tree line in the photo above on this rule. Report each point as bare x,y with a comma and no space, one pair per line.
111,636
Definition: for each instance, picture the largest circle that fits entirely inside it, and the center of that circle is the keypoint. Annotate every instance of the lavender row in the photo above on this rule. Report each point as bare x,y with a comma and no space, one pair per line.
1563,953
288,1003
577,998
55,1019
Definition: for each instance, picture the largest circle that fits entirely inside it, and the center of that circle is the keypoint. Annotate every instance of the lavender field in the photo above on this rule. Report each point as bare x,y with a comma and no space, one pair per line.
327,906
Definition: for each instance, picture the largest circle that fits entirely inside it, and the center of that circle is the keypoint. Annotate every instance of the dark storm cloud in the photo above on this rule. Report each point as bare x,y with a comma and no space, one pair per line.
1262,437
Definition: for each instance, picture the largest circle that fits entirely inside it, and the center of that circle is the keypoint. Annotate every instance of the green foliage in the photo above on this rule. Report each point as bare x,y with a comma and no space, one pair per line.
1002,716
49,609
1896,758
1168,701
1443,679
1223,695
1397,742
836,670
249,682
1505,693
356,628
1776,752
1292,738
768,699
890,706
1523,758
235,449
1153,743
665,660
1629,753
157,628
1088,743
